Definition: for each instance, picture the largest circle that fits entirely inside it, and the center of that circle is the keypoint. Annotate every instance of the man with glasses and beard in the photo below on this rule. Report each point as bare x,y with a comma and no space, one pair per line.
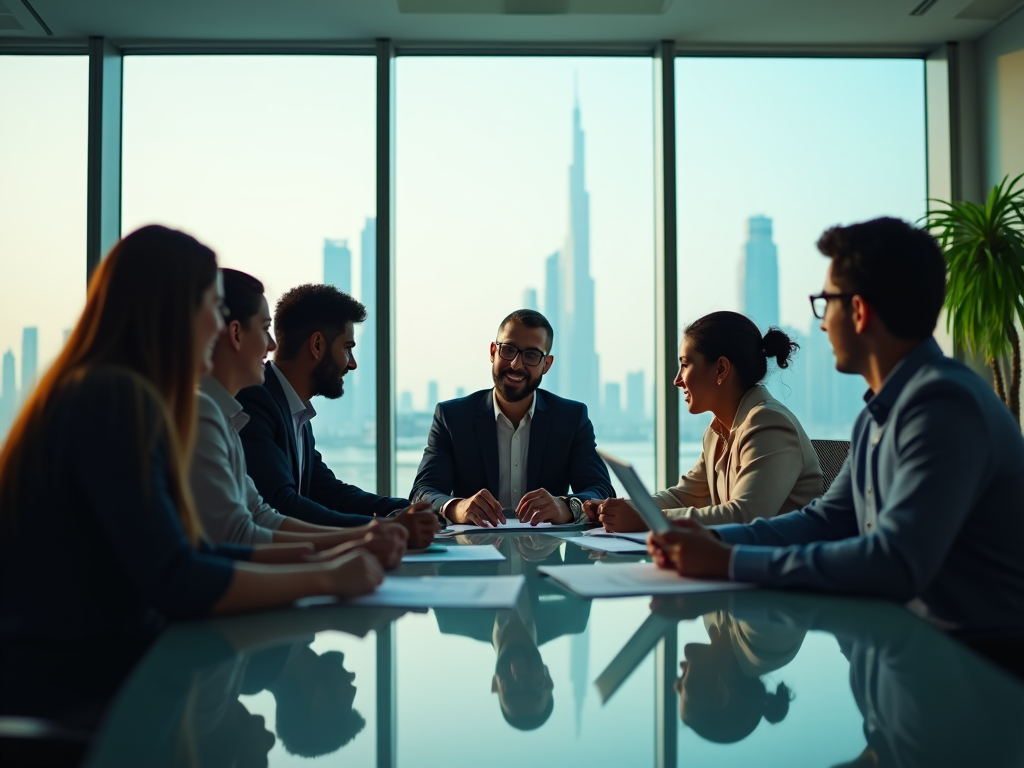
514,448
314,327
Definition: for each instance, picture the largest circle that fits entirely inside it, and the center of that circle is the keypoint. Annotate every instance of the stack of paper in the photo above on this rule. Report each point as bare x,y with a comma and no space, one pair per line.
610,544
630,579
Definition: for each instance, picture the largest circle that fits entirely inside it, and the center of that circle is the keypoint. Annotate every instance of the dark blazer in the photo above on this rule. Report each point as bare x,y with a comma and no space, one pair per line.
461,456
272,460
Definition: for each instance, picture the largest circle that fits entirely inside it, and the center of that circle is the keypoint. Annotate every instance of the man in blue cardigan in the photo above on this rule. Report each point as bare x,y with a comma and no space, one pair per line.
513,447
314,328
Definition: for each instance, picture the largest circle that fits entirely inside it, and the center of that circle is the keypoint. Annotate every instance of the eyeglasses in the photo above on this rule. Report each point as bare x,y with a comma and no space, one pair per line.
510,352
819,302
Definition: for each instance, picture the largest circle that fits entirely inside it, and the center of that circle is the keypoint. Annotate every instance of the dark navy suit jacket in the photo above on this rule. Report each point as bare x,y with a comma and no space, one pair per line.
272,460
461,457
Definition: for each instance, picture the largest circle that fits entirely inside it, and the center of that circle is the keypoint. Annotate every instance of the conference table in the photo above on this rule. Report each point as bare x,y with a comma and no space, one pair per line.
768,678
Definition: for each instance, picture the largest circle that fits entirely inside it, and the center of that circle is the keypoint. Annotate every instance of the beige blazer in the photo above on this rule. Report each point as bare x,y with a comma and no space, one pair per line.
769,467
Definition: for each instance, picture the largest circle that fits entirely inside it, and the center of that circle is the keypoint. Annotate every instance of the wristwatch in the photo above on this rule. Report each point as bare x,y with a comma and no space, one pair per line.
576,507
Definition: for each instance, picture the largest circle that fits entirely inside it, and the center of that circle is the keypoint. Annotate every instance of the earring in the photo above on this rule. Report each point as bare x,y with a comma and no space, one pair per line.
719,382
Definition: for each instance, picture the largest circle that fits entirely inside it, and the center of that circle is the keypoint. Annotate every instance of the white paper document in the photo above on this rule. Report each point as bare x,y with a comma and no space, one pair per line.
609,544
637,536
491,592
510,525
626,579
457,553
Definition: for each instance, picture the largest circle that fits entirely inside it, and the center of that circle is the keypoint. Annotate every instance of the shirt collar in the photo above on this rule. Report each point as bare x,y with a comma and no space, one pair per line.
879,404
497,410
296,404
229,406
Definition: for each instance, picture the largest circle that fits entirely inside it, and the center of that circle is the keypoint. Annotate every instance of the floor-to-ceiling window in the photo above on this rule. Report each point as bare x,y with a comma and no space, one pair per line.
270,161
771,152
525,183
44,110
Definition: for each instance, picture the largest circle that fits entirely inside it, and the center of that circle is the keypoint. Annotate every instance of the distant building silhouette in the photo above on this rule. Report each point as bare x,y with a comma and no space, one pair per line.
530,299
337,417
460,392
579,373
405,402
636,396
759,274
553,312
338,265
8,394
29,360
612,401
432,395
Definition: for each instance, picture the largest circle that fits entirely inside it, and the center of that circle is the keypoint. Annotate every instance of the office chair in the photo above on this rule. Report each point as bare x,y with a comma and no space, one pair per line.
831,456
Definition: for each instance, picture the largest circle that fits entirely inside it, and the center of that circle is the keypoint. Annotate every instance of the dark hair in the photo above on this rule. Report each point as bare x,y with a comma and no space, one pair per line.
312,726
242,296
528,721
895,267
309,308
531,318
736,338
749,702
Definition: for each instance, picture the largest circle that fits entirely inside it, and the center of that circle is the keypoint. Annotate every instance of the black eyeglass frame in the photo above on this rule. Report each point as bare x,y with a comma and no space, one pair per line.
826,296
518,352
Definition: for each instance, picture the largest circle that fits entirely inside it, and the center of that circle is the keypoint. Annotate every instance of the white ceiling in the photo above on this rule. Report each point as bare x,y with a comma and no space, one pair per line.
693,24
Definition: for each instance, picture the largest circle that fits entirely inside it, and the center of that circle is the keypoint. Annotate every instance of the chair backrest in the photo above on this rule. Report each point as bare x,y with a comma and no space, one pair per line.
831,456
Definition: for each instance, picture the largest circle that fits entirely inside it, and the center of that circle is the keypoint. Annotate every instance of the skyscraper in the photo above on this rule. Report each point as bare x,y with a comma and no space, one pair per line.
579,374
29,360
636,405
759,274
8,394
530,299
612,401
338,415
338,265
433,395
553,312
365,386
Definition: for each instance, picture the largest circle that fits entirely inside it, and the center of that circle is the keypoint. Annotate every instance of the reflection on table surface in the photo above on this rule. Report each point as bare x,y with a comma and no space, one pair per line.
730,679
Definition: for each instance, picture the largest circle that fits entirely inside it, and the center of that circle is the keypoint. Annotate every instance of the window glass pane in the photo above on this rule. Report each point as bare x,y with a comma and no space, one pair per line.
771,153
525,182
270,161
44,114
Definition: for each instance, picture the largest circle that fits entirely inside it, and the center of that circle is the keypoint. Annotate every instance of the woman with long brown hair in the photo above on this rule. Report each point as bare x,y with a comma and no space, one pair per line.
98,531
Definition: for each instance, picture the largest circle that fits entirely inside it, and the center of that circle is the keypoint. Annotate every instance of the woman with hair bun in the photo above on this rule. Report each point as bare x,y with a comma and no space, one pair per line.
756,461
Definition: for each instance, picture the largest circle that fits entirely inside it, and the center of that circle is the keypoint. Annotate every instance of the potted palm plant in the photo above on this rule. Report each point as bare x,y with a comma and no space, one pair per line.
984,249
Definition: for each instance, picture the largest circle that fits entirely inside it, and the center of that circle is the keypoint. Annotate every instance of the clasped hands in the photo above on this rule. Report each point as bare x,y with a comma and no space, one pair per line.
483,509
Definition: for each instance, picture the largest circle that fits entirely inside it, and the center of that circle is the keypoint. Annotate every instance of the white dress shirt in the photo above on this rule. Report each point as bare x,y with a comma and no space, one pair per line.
513,450
302,412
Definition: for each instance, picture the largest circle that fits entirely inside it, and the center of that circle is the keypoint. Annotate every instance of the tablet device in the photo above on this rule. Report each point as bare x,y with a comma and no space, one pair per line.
637,493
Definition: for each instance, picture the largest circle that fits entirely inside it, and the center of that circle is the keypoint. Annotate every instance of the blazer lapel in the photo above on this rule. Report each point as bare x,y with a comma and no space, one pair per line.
487,437
273,385
540,426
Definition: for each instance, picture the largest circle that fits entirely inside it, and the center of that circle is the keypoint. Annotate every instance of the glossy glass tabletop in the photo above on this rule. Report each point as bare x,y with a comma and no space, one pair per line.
766,679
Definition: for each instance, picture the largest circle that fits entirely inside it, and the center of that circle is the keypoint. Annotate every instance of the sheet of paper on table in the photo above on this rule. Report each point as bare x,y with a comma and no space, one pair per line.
633,652
638,536
631,579
510,525
609,544
456,553
488,592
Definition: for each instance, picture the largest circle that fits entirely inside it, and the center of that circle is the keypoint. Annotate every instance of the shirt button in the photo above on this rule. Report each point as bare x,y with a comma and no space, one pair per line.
515,463
868,526
869,490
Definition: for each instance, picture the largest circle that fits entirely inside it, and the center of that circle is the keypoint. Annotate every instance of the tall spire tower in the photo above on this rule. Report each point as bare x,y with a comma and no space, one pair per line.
577,351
